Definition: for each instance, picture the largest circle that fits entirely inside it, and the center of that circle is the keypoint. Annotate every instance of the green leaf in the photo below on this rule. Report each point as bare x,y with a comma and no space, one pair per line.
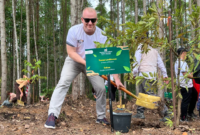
151,74
94,55
180,96
119,52
138,81
88,68
126,68
139,77
145,74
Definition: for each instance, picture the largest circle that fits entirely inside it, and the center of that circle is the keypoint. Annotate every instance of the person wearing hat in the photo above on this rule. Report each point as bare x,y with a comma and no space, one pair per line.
188,92
148,63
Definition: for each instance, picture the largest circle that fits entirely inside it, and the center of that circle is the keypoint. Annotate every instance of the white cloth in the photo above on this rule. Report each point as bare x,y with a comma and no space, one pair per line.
77,37
160,64
184,82
111,78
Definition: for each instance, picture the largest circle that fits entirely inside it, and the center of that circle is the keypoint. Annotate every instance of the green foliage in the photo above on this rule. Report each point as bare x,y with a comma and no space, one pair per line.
47,92
34,68
169,122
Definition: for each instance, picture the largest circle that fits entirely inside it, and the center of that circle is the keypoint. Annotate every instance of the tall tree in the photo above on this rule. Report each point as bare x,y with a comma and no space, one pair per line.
3,52
64,9
176,26
74,20
28,48
54,43
136,11
144,6
20,41
198,4
192,28
123,29
15,33
111,10
136,21
162,54
35,44
14,56
82,75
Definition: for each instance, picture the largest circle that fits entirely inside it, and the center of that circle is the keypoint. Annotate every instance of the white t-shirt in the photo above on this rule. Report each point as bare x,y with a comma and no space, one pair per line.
184,82
77,37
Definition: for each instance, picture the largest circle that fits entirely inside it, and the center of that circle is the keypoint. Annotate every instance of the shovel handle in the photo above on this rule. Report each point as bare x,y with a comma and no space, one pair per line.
120,88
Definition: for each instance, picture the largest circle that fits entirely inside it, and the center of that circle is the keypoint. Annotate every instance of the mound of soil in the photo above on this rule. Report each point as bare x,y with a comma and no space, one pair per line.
79,118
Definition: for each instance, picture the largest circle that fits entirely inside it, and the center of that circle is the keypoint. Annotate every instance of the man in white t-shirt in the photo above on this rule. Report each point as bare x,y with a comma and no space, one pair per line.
188,92
79,38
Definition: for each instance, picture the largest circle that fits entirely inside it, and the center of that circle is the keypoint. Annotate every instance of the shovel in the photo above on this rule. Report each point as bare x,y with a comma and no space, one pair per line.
143,100
19,102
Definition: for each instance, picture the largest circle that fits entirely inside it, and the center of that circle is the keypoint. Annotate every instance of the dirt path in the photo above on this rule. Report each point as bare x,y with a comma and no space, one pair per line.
78,118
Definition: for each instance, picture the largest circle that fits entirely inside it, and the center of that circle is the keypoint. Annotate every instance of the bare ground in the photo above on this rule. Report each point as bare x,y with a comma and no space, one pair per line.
78,118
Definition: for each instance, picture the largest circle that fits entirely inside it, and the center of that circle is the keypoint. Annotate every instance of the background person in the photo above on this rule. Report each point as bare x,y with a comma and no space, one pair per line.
146,63
20,91
187,90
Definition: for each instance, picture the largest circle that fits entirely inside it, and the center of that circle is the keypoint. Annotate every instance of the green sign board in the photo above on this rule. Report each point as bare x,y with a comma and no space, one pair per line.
103,61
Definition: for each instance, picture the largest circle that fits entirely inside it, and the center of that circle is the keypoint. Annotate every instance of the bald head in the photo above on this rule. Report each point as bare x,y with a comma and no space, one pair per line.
89,10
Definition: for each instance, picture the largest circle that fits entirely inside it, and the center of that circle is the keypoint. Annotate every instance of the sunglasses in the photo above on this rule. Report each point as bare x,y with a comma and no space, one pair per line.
87,20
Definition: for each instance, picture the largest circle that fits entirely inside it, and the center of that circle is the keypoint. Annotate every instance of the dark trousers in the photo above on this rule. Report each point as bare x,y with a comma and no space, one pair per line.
188,102
24,98
113,91
193,101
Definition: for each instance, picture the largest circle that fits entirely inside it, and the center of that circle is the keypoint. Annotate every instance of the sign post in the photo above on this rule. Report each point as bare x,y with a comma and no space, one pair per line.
106,61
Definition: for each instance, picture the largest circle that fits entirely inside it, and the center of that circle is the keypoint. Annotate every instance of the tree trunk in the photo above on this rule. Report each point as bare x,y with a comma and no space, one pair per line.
136,21
64,27
37,27
36,52
111,9
81,75
198,4
28,49
162,54
73,13
47,57
74,20
14,60
101,10
192,28
3,52
15,32
177,41
123,29
54,44
144,7
136,11
20,43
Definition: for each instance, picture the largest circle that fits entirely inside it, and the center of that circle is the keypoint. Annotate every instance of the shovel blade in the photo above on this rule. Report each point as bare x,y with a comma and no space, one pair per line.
148,98
19,102
145,104
147,101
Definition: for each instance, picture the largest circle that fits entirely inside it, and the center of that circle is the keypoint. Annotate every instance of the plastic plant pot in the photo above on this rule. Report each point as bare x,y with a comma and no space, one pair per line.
122,122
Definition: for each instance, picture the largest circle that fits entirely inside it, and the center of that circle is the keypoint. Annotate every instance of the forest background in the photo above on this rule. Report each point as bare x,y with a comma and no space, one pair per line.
33,37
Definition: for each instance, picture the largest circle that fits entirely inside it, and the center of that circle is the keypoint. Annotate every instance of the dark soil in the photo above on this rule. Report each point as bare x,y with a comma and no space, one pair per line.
78,118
